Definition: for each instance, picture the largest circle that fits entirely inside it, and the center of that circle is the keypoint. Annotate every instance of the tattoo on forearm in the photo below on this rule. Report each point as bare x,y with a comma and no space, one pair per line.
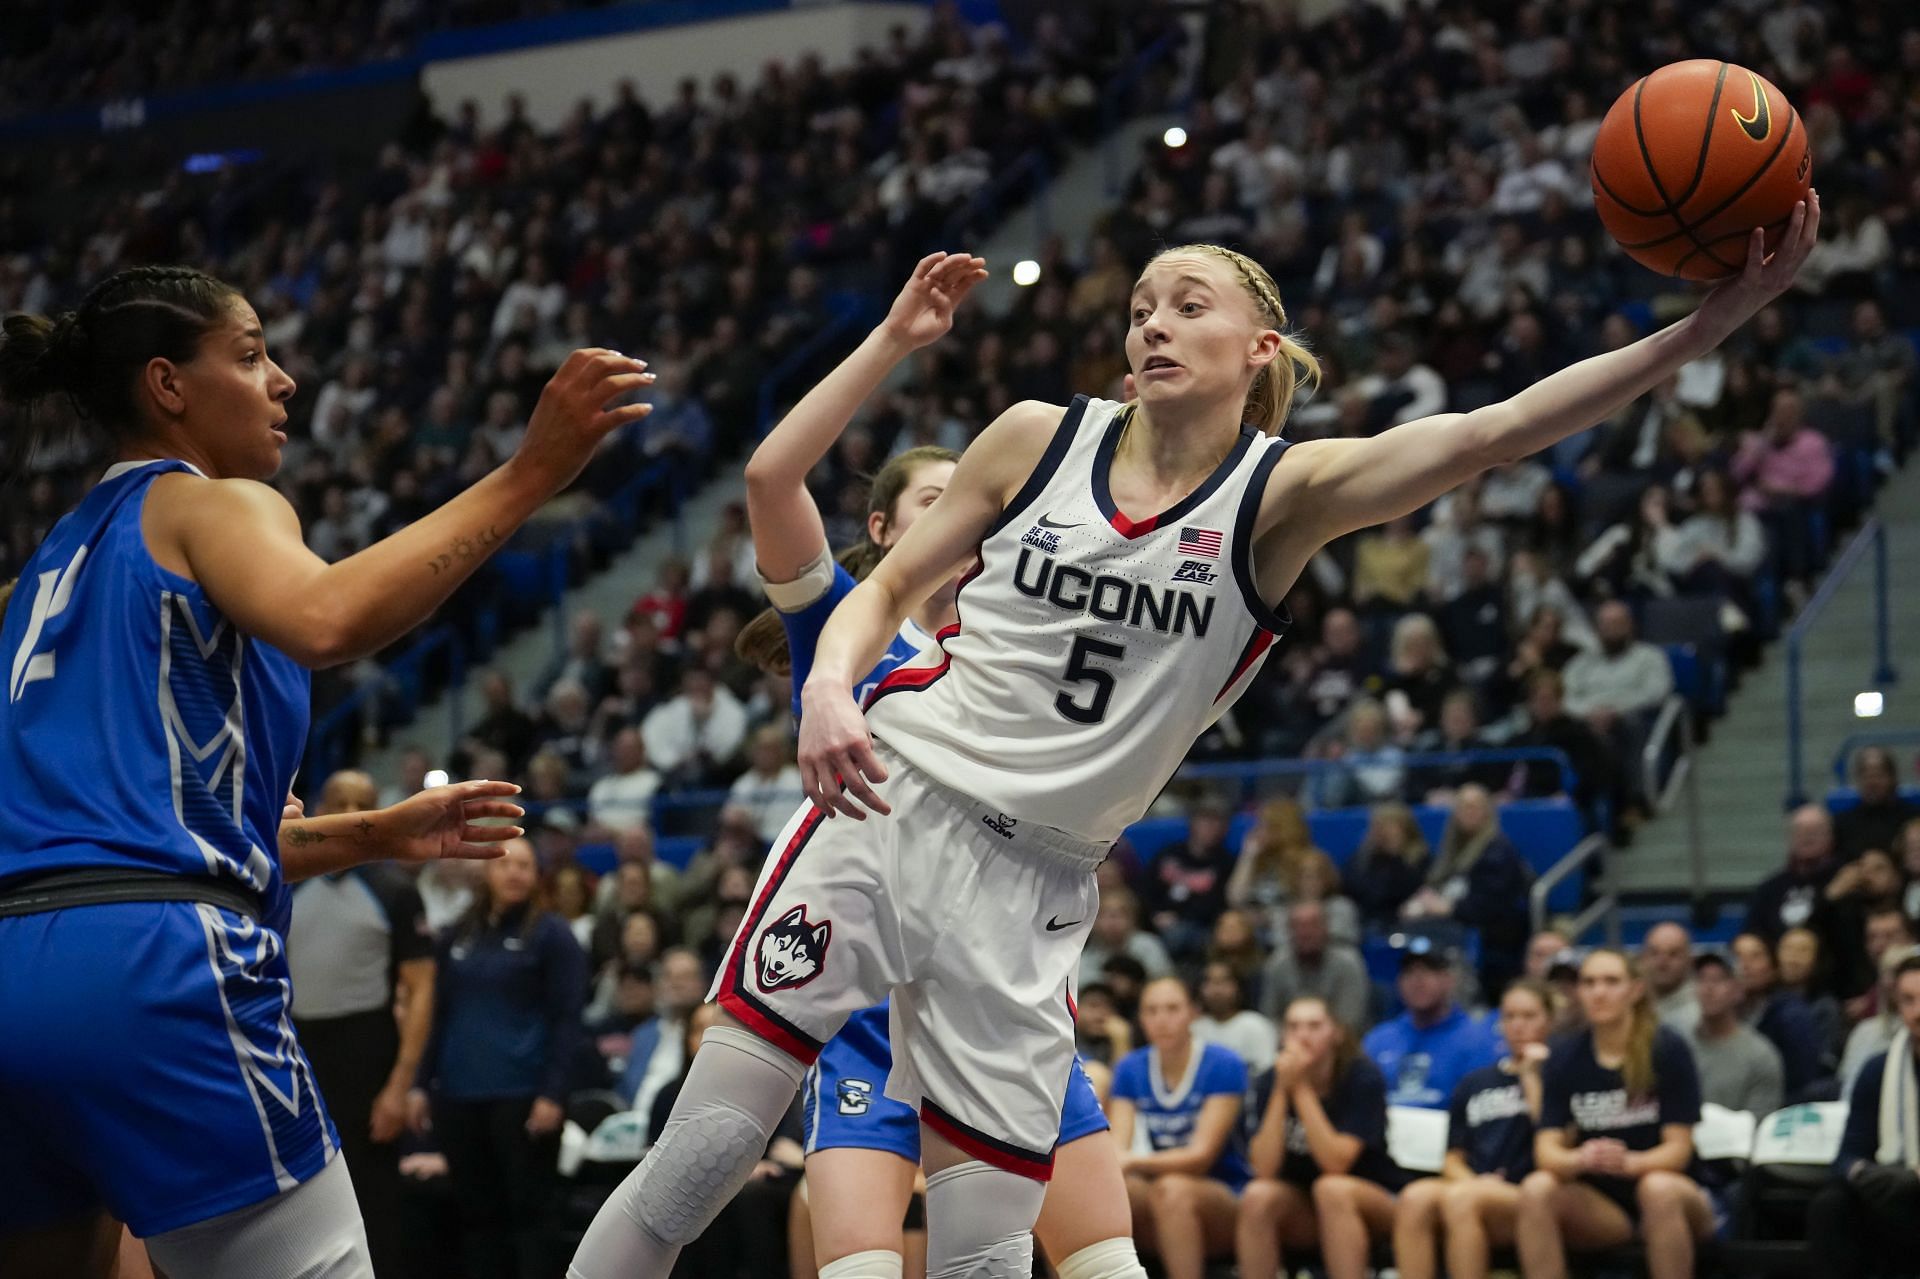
301,836
363,830
466,547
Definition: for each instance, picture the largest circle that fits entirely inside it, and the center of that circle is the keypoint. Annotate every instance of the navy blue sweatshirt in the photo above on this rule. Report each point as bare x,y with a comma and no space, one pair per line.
1860,1143
506,1010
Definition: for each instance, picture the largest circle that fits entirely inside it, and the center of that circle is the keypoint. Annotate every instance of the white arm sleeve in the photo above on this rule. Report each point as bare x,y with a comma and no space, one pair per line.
815,580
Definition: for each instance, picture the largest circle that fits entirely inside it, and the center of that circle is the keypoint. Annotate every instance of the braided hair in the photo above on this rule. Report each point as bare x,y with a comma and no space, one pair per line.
92,357
1272,392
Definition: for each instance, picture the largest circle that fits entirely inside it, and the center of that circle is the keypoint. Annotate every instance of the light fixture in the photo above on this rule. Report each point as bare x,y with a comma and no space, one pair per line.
1869,705
1025,272
1175,136
436,777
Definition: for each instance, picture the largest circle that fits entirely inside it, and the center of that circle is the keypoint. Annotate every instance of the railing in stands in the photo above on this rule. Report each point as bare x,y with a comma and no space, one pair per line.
1681,787
1113,108
1249,772
1872,737
1605,907
987,205
845,309
401,684
1872,534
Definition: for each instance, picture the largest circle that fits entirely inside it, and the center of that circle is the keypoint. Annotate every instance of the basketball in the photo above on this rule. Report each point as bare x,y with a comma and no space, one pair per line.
1690,159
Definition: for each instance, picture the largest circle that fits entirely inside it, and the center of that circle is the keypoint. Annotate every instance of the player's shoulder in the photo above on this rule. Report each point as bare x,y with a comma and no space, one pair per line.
188,495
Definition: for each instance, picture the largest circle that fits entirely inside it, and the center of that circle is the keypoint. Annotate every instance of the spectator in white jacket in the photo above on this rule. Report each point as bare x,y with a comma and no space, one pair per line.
693,737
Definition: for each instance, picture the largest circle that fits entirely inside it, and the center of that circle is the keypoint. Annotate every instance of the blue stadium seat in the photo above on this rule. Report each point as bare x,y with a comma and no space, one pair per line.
677,850
1841,798
598,858
1544,830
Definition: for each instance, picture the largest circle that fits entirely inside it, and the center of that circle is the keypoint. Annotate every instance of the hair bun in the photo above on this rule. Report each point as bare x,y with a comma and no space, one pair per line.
29,363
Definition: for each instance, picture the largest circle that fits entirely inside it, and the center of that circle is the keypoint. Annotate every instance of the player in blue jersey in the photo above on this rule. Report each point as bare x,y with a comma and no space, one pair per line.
1186,1096
156,656
863,1148
1489,1151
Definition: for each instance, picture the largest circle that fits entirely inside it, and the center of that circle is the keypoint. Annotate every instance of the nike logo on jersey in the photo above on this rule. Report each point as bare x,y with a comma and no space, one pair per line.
1760,124
1000,824
1112,599
1047,523
1054,925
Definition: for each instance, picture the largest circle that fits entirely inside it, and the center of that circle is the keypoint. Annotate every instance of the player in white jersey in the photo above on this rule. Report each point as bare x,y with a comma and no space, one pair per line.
1086,670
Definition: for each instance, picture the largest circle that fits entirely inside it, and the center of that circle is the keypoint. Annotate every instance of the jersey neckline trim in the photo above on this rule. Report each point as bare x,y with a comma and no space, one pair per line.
1132,528
119,469
1048,465
1177,1096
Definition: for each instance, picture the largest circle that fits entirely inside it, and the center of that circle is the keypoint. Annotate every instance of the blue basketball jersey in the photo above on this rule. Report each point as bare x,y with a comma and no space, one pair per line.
803,628
140,729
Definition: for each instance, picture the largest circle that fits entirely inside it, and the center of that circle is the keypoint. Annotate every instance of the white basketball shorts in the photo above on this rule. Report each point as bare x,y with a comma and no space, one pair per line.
973,922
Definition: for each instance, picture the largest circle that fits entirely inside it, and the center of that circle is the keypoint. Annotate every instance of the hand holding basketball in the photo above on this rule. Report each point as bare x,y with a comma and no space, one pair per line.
923,313
1765,276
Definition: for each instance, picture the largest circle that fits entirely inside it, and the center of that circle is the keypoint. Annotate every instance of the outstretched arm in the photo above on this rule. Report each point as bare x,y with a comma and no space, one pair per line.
787,532
1323,489
241,541
834,746
427,826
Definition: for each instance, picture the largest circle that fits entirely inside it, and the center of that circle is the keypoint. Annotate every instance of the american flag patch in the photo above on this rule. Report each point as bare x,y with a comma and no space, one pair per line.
1200,541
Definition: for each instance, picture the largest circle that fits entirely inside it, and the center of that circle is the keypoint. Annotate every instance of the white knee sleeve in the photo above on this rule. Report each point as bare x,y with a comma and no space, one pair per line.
1108,1259
313,1231
875,1264
738,1089
980,1222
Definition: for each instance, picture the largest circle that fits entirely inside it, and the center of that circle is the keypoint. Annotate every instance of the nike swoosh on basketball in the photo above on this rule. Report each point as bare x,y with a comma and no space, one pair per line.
1054,925
1047,523
1761,123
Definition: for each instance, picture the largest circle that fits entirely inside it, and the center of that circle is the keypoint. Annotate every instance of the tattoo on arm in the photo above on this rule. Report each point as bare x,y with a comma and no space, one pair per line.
363,830
466,547
301,836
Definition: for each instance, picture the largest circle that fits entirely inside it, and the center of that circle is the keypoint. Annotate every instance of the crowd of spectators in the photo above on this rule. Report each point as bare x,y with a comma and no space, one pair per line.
558,986
56,56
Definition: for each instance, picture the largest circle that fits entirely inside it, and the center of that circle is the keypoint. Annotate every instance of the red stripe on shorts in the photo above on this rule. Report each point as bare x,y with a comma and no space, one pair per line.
988,1150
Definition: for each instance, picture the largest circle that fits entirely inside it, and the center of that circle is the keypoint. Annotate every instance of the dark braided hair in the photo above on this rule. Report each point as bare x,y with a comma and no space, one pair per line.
92,356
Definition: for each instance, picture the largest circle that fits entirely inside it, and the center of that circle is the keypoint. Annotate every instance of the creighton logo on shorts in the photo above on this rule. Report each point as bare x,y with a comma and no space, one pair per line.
855,1096
791,950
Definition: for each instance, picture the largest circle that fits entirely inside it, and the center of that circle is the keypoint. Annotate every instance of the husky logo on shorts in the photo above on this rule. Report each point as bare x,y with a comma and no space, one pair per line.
791,950
855,1096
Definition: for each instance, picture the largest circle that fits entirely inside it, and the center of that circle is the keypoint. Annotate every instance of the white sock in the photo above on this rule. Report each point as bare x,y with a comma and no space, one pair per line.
878,1263
980,1222
738,1088
1108,1259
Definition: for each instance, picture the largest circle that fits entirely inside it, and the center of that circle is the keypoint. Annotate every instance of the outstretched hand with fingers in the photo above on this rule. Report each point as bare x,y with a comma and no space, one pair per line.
441,822
1765,276
836,759
577,410
924,310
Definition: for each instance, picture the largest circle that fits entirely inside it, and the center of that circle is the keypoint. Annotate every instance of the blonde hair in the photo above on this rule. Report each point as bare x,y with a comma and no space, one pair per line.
1636,1067
1392,812
1283,838
1275,385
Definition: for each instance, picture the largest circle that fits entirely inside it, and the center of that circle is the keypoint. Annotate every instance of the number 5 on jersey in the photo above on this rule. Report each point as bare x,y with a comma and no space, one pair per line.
50,600
1080,671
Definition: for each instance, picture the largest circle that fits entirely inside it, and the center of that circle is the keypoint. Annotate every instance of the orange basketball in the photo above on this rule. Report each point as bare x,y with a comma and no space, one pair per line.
1691,159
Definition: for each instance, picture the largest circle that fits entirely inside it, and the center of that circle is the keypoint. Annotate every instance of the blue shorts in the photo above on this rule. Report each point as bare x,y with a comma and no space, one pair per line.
148,1067
846,1106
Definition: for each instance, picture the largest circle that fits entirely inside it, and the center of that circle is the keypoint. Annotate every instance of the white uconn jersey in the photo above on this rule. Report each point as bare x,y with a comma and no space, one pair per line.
1092,649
